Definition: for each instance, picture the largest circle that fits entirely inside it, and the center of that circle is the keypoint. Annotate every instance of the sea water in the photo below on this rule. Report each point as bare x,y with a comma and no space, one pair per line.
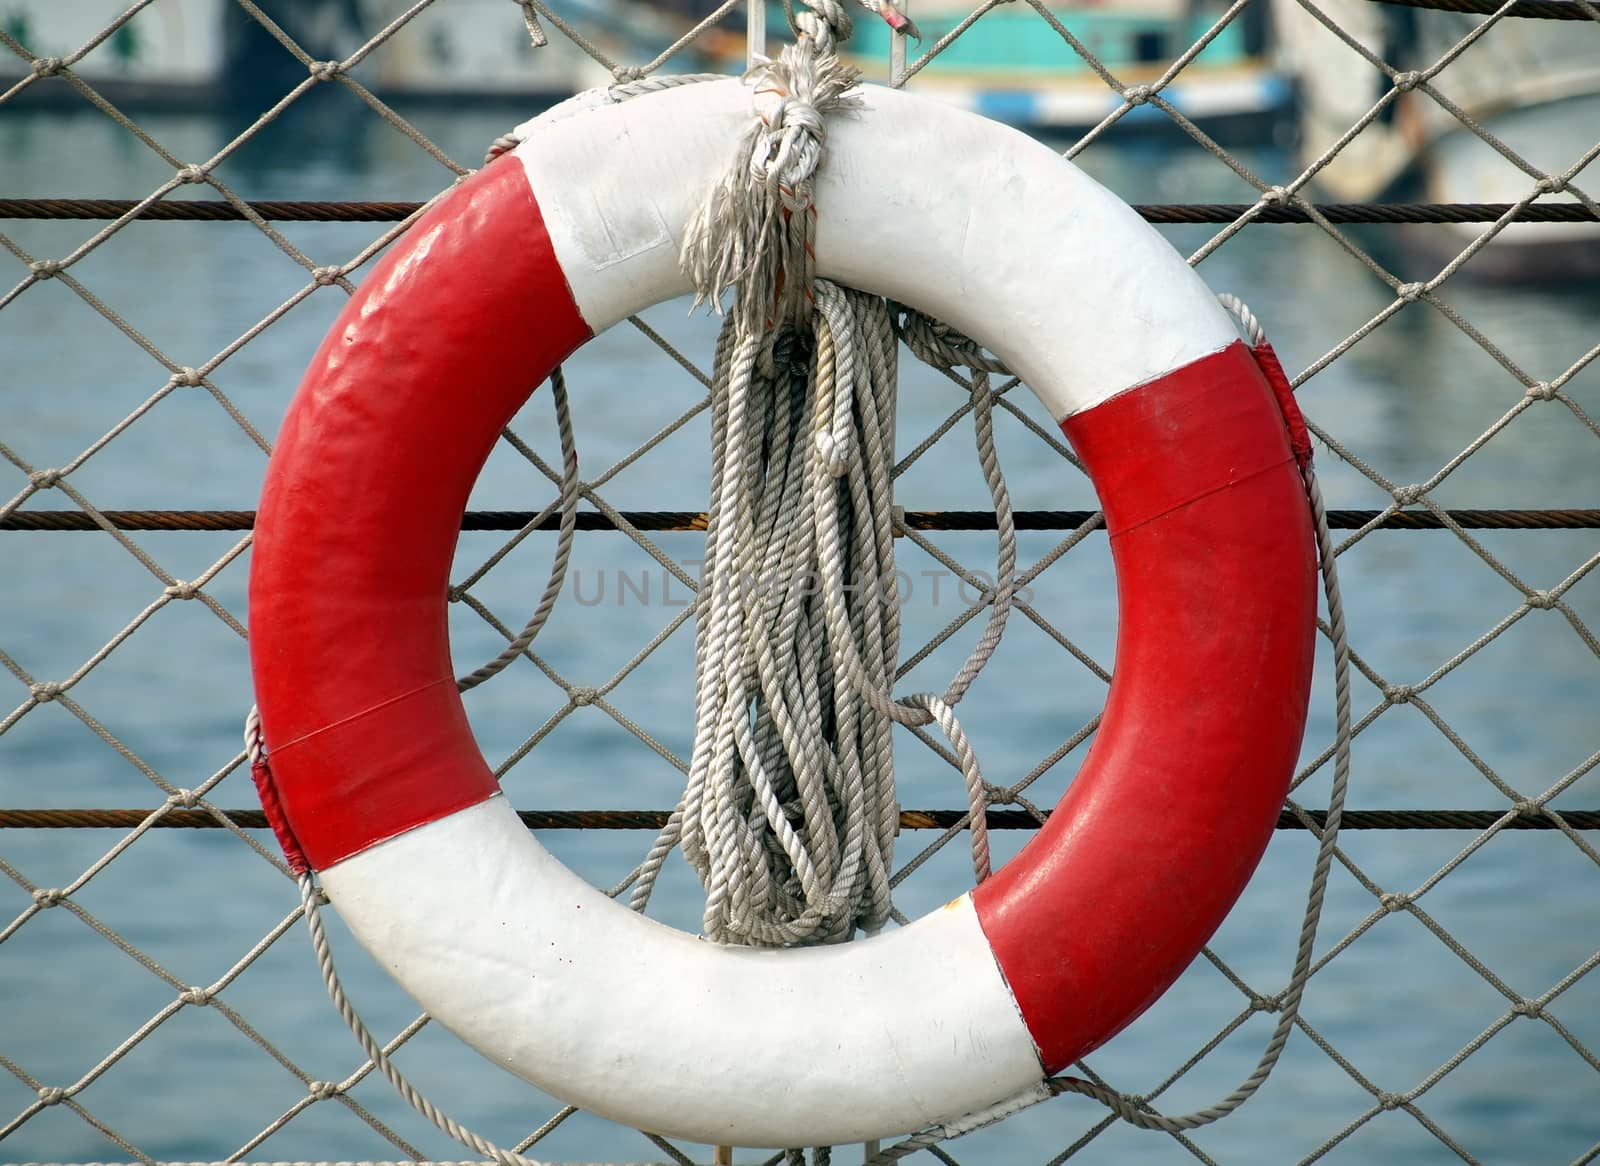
1395,1004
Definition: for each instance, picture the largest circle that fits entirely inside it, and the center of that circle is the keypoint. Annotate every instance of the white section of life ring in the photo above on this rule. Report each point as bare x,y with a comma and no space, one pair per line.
893,1033
974,223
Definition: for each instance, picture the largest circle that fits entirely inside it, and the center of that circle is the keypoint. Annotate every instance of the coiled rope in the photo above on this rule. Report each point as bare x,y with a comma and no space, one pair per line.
789,814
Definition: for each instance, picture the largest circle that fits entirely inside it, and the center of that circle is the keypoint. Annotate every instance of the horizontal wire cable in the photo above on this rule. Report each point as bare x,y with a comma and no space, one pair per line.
216,210
691,520
90,819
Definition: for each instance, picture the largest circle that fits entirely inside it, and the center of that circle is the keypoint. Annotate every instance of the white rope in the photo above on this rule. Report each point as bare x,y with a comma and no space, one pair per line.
568,505
789,815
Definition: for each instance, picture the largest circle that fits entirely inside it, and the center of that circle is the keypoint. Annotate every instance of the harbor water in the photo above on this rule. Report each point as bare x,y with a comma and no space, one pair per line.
1396,1003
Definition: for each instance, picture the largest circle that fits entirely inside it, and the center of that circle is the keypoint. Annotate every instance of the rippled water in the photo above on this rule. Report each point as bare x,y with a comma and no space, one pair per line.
1397,1002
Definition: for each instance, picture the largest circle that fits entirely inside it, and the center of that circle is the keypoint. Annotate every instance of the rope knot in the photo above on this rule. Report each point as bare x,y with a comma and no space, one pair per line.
48,896
624,74
185,378
789,150
756,226
1526,809
582,695
1542,600
48,66
45,692
826,23
1407,495
1528,1008
1394,901
196,996
790,113
52,1094
326,276
322,1090
1137,94
191,174
1551,184
182,590
44,479
324,70
1405,82
1542,391
1399,693
1391,1100
184,798
1411,292
45,268
936,343
1275,195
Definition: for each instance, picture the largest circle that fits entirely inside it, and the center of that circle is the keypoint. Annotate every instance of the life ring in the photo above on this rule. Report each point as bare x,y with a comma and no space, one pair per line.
378,782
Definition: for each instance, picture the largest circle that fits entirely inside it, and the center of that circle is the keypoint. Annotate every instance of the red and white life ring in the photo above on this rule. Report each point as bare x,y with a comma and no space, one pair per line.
386,794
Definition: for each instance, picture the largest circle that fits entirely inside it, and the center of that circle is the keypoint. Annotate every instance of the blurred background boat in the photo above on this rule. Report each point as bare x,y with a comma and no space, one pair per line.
1013,67
187,54
1532,84
1273,75
1010,66
175,56
462,52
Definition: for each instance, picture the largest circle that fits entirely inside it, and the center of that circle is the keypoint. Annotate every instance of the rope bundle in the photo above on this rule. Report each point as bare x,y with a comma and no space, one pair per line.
789,816
789,813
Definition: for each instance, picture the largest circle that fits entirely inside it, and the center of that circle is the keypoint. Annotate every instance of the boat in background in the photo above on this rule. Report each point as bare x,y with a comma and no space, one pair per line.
172,55
1011,66
466,51
1533,84
195,54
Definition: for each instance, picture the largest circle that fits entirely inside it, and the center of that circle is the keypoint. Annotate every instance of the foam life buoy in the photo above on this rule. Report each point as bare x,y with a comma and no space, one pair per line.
381,787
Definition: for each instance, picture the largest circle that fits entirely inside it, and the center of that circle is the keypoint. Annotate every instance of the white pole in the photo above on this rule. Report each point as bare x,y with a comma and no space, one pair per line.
897,49
755,24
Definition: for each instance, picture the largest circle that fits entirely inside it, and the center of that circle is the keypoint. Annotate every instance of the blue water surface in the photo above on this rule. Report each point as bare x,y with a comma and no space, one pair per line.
1394,1006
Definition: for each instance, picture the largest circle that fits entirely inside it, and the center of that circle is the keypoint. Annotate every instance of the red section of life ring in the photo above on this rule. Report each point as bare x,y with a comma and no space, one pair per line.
1166,820
357,526
370,749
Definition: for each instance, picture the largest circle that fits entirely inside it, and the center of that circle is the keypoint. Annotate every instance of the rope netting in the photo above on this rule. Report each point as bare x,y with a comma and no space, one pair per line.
198,934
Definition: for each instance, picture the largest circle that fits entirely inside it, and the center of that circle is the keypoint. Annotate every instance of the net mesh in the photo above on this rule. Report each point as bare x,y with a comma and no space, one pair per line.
1461,971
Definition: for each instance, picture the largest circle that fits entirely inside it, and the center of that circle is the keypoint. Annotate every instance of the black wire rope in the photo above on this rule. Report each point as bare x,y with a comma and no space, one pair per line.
1529,818
693,520
218,210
